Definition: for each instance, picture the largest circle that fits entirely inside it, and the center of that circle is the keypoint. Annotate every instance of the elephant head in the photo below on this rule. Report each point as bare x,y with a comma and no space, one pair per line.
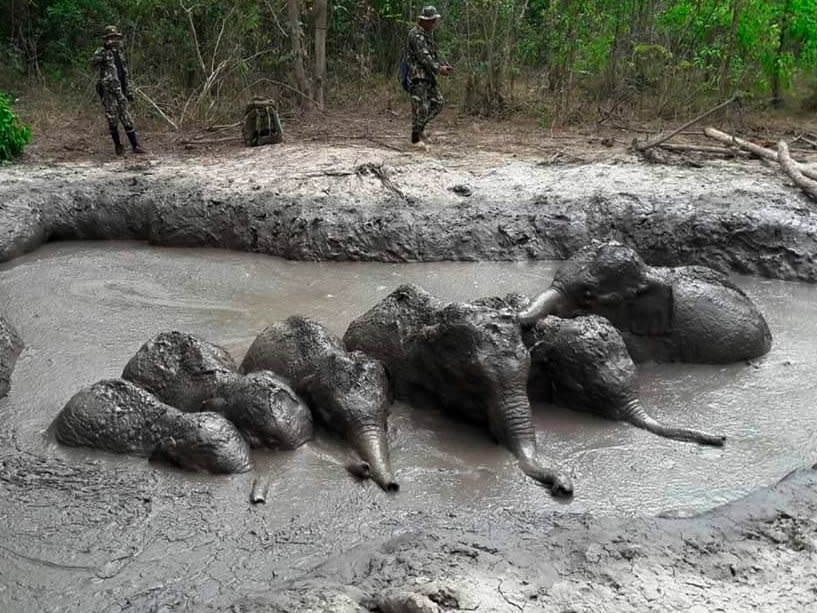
598,277
264,408
116,415
585,364
469,359
180,369
347,391
687,314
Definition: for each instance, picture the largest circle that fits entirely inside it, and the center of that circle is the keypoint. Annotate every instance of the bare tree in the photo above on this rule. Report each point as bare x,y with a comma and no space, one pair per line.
296,38
321,23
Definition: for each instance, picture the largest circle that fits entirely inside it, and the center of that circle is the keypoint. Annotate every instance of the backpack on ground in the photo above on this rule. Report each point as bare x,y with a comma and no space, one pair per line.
261,125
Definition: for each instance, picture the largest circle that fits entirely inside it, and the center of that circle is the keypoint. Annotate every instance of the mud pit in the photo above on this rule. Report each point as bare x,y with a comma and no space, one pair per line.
87,531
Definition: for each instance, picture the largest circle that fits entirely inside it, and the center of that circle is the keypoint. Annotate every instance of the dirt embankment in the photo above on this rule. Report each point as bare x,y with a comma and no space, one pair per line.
359,203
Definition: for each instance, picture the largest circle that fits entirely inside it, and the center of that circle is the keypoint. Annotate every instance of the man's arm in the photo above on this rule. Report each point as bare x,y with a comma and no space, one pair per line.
125,77
98,58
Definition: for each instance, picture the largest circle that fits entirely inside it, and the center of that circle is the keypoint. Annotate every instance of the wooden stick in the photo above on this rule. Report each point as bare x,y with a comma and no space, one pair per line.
702,149
260,489
207,141
792,169
661,139
158,110
757,150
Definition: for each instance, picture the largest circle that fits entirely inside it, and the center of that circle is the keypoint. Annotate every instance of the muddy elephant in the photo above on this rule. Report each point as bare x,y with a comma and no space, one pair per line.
469,359
347,391
191,374
684,314
11,345
582,363
116,415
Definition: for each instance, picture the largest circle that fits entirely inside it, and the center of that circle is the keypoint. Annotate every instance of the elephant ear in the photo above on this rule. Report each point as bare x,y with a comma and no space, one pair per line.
650,311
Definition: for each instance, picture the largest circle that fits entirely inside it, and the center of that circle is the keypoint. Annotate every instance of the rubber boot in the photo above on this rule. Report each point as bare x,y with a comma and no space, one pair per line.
133,141
117,144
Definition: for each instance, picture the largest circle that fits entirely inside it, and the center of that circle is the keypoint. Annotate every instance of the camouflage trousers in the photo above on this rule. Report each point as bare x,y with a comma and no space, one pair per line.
426,104
116,109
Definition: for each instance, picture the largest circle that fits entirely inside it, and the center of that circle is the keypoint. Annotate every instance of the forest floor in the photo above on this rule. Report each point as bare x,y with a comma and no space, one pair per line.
758,553
59,137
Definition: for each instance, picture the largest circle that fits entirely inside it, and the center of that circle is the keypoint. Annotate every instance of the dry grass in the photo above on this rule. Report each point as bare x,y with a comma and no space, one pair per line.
72,127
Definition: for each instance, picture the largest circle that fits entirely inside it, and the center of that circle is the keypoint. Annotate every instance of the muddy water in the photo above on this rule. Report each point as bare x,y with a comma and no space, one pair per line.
85,308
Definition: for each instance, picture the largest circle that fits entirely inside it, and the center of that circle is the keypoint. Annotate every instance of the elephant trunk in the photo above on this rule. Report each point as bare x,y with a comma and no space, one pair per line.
635,414
370,443
549,302
515,430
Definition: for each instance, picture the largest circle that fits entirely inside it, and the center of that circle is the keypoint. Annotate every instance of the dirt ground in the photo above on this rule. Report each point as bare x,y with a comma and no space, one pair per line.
59,137
113,547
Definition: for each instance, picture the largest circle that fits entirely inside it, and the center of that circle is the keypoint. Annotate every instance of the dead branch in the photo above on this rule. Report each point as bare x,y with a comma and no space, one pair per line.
761,152
702,149
792,169
260,489
158,110
381,173
225,126
666,137
208,141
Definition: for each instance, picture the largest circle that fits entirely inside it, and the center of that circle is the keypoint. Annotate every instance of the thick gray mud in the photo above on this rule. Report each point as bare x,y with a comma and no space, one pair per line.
87,531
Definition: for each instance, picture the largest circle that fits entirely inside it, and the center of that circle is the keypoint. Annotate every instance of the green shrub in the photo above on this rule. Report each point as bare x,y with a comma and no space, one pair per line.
13,134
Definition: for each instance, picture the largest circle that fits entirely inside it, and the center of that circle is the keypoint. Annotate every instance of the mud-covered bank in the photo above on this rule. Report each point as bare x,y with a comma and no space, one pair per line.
759,553
115,542
376,205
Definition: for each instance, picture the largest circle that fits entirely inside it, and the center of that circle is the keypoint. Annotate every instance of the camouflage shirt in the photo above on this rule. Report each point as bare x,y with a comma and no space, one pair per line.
113,70
421,55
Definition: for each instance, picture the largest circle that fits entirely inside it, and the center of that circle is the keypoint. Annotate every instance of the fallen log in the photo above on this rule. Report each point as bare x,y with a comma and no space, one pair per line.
701,149
794,171
762,152
652,143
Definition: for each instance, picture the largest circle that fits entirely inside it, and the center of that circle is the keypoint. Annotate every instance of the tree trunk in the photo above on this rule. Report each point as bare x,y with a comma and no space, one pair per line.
296,37
777,95
726,61
321,23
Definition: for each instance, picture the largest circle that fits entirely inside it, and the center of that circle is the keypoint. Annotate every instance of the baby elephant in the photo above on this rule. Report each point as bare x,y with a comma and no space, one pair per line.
468,359
684,314
585,363
194,375
348,391
117,416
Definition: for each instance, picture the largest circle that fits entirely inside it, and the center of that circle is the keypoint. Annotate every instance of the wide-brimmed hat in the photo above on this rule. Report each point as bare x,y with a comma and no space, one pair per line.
429,13
111,32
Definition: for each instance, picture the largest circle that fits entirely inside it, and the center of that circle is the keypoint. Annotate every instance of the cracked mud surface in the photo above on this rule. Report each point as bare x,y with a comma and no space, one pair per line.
107,533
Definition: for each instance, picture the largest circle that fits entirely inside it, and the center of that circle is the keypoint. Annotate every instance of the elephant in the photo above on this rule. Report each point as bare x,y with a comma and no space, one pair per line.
683,314
180,369
264,409
192,375
347,391
583,363
116,415
11,345
469,359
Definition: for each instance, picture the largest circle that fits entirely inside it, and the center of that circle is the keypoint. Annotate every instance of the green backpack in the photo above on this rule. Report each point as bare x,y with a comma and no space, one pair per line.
403,74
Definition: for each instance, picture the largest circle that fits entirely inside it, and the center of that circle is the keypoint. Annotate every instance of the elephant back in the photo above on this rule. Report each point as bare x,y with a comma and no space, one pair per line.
716,323
180,369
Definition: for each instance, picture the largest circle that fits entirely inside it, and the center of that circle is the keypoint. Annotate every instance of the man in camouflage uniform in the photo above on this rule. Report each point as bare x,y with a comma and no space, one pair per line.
424,65
113,88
